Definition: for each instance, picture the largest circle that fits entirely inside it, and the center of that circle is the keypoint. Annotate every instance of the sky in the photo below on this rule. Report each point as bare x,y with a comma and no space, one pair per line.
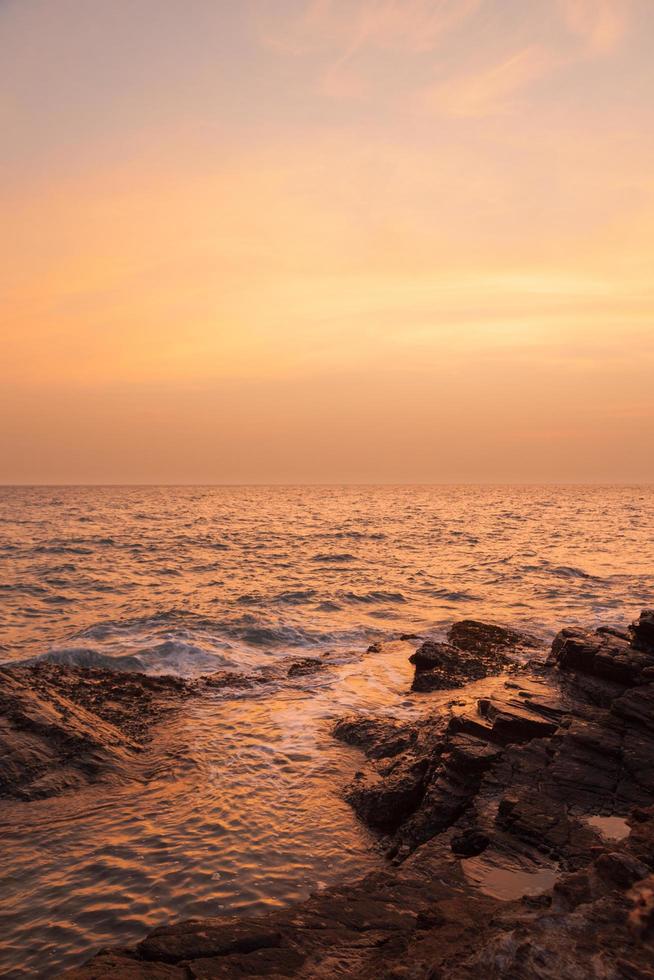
325,241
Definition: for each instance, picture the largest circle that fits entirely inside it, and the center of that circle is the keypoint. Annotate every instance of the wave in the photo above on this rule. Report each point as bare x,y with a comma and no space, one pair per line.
373,597
86,657
346,556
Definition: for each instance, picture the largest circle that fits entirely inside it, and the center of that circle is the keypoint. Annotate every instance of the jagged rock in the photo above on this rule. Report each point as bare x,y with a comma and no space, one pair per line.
385,798
522,766
488,638
620,869
636,706
308,665
642,631
380,738
61,726
441,666
432,654
601,655
469,843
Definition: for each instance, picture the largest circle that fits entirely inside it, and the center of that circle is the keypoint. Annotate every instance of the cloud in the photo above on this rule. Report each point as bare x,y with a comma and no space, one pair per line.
600,24
490,91
403,25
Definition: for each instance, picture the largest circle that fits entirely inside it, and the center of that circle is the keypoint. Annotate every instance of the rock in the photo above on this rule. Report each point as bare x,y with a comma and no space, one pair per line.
308,665
488,638
514,724
199,938
225,679
515,773
620,869
117,966
642,631
62,727
636,707
601,655
442,666
469,843
385,798
432,654
380,738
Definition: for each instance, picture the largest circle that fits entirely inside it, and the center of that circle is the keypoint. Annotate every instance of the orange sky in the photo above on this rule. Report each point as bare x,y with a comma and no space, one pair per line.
327,240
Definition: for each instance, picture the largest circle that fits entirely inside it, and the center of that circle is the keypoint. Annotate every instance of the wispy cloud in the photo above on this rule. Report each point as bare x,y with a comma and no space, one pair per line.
350,27
490,91
600,24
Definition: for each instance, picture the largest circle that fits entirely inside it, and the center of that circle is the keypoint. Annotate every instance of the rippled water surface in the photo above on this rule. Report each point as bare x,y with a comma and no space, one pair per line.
190,578
237,806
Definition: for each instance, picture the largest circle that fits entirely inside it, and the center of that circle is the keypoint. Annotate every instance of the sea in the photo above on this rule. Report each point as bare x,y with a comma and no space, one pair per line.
237,805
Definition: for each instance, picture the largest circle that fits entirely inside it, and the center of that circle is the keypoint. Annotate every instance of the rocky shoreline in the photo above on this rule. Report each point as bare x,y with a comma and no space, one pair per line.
516,814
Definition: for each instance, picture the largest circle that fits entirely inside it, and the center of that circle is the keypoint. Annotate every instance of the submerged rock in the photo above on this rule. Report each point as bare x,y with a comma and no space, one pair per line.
62,727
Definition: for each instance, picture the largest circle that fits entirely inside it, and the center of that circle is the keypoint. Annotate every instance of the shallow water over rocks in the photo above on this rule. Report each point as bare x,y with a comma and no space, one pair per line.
238,806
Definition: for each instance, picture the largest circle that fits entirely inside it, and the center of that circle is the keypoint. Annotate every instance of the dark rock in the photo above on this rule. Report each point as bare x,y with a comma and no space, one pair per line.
514,724
524,766
636,707
620,869
432,654
308,665
601,655
385,798
380,738
642,631
440,666
198,938
225,679
469,843
488,638
62,727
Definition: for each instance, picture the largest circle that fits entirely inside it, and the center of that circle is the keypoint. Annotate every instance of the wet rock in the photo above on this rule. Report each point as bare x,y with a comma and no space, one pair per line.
125,967
600,655
221,679
488,638
469,843
379,738
207,937
620,869
636,707
512,777
642,631
440,666
62,727
514,724
384,798
308,665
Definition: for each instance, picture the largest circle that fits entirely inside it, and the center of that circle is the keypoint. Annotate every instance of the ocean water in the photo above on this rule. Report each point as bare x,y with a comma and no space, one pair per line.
237,804
186,580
